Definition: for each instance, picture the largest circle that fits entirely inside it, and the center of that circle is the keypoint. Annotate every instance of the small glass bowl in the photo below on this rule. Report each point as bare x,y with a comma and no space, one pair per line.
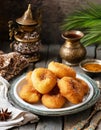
90,72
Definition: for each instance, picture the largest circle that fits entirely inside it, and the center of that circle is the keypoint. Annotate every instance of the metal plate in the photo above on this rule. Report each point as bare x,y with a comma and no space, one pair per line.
89,100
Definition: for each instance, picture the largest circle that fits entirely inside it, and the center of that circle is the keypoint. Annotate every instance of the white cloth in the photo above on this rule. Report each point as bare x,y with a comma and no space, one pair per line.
18,117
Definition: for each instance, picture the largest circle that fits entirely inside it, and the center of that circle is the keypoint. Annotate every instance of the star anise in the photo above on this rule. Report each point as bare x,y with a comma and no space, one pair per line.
4,115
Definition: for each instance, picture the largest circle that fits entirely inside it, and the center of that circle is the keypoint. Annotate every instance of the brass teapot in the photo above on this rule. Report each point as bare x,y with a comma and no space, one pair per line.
72,51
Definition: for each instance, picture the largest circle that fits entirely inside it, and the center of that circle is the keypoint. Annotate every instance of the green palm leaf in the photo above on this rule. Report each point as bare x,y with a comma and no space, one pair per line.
87,19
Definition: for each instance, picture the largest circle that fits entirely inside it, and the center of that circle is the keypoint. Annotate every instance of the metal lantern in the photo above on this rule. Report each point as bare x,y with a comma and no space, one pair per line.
26,36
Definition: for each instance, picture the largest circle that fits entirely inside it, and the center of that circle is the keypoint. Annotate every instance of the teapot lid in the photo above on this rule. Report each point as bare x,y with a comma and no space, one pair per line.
27,18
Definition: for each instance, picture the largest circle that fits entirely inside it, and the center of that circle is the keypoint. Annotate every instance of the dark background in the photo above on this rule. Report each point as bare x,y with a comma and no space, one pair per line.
53,13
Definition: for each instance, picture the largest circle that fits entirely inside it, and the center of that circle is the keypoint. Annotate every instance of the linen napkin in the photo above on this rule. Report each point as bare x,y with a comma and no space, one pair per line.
18,117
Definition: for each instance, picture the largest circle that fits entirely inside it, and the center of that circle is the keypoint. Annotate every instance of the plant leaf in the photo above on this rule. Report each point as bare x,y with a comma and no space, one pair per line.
87,19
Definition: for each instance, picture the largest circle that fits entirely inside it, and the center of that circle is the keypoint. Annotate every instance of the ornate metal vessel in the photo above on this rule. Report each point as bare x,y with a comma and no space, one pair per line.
72,51
26,35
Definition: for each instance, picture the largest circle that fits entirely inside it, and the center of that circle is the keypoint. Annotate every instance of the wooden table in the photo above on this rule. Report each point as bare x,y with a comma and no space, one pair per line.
50,52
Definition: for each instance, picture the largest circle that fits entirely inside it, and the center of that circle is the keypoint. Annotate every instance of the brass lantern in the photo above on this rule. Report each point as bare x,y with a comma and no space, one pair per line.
26,36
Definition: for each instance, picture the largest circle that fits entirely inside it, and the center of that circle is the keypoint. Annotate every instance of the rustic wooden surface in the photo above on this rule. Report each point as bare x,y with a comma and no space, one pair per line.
50,52
53,13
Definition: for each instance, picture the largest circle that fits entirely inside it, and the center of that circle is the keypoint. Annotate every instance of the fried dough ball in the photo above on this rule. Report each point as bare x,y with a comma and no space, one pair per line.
71,89
84,85
61,70
29,94
28,77
53,99
43,80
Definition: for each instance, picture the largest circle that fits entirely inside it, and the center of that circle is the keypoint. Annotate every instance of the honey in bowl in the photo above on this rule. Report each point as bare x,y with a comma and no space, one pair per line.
93,67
